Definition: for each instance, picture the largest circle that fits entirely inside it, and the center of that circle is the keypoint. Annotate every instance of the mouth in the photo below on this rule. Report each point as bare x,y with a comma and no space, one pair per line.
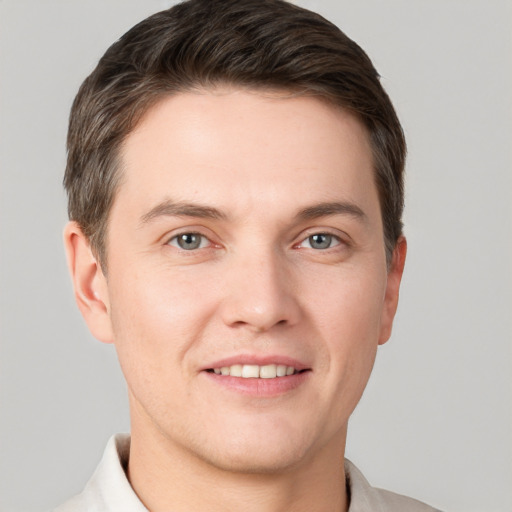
263,378
254,371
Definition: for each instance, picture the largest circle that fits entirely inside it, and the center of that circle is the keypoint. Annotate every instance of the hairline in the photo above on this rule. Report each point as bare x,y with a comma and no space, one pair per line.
99,241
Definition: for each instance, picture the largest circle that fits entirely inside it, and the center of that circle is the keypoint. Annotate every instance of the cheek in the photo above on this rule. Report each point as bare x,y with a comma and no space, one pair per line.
348,317
156,320
347,302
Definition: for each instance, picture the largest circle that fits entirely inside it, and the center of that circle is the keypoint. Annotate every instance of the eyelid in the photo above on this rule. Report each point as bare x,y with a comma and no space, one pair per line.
176,236
333,237
192,230
340,236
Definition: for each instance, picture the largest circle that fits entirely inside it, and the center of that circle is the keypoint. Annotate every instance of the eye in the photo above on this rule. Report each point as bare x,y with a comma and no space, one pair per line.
321,241
189,241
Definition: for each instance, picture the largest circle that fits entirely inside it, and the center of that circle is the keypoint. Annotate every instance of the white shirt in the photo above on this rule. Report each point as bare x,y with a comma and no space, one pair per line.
108,490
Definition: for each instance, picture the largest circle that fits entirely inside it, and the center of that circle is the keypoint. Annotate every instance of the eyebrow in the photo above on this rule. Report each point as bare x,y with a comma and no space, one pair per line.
169,208
184,209
332,208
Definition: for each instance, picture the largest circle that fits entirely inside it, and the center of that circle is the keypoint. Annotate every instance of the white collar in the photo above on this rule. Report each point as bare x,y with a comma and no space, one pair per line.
109,490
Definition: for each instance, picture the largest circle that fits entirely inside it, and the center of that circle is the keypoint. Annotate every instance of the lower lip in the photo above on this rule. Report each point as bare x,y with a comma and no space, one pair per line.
259,387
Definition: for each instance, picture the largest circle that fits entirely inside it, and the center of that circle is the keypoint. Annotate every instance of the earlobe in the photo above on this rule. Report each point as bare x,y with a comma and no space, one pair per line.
89,283
393,289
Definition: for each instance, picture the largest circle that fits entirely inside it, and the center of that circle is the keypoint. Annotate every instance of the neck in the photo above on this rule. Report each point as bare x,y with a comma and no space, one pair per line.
167,476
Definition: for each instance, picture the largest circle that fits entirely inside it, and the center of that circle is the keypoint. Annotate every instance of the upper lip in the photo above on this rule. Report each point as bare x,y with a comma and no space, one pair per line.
259,360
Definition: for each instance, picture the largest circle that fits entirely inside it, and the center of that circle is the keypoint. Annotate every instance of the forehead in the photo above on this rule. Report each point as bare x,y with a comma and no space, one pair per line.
252,146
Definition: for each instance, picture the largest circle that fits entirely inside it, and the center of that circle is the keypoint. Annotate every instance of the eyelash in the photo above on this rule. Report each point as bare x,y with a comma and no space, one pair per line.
331,238
174,241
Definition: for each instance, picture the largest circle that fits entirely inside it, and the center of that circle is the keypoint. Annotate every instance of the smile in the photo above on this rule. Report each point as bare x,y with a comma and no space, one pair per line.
253,371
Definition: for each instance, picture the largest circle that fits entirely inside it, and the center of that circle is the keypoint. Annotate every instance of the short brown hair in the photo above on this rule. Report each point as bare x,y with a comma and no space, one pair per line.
262,44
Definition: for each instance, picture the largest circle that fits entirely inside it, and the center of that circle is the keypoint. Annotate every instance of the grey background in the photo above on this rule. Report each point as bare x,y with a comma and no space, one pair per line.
435,421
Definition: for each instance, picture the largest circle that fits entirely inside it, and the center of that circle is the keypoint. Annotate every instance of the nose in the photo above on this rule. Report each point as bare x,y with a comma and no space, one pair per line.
259,293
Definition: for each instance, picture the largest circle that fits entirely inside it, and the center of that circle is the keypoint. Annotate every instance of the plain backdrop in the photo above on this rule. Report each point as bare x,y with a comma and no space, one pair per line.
435,420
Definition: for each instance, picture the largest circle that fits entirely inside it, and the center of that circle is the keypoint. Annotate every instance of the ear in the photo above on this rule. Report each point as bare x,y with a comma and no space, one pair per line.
89,283
395,273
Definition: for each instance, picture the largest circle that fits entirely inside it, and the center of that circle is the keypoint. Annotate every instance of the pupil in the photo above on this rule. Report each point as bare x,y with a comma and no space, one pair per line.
320,241
189,241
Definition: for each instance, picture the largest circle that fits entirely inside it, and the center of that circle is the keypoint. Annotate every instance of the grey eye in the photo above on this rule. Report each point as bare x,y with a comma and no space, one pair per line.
320,241
189,241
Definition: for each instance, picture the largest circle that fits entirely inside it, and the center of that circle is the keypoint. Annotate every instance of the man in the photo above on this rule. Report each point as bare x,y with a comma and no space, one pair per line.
235,193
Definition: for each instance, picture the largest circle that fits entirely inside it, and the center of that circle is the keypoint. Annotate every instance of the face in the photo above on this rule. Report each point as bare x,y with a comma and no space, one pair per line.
247,286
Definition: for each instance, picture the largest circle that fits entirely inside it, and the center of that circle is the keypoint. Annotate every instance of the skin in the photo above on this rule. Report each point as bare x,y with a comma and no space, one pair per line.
255,287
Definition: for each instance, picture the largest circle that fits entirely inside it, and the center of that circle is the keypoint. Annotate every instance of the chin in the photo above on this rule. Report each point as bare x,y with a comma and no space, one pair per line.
258,451
260,460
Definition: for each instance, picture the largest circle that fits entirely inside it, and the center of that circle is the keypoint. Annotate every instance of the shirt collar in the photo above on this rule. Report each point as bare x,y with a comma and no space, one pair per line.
109,488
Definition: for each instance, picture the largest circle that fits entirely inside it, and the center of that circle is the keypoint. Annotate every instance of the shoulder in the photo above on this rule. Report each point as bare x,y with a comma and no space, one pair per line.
108,490
395,502
365,498
79,503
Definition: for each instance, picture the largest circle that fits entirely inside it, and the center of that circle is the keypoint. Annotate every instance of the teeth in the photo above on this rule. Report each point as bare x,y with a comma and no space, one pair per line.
250,371
236,370
268,372
281,370
253,371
